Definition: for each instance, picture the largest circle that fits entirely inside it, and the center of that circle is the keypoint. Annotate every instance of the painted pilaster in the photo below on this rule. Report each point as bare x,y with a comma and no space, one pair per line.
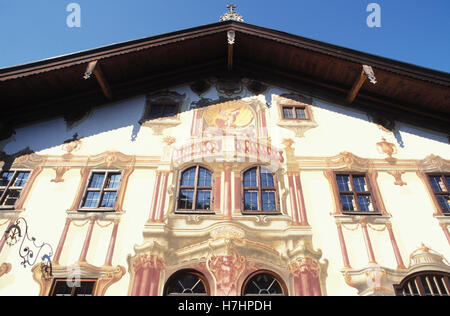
343,246
162,196
301,201
398,256
87,241
293,199
228,191
155,197
112,244
62,241
368,243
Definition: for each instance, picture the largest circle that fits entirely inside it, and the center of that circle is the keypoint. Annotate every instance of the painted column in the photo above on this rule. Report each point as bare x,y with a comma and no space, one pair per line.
228,191
112,244
162,196
306,277
444,227
144,289
293,199
237,192
306,286
263,123
398,256
147,275
368,243
62,241
136,282
155,197
87,241
343,246
301,201
196,123
217,191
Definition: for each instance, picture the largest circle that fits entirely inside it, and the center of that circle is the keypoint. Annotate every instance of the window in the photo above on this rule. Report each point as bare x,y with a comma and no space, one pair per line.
73,288
162,110
441,189
295,113
263,284
188,283
424,284
260,194
102,190
12,183
354,194
195,192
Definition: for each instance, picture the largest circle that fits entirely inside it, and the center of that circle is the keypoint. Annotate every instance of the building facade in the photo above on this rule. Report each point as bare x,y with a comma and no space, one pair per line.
224,160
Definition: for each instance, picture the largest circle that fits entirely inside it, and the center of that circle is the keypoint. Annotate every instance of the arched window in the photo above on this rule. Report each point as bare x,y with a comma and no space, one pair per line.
263,283
195,193
187,282
424,284
260,193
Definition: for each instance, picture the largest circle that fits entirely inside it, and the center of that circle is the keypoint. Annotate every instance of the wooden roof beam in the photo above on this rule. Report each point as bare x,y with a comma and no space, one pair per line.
94,68
366,73
231,40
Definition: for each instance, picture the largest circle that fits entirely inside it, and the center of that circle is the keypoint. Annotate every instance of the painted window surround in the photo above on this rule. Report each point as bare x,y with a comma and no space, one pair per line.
298,126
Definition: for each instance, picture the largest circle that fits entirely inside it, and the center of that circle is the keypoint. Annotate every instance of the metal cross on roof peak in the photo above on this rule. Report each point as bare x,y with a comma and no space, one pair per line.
231,6
231,15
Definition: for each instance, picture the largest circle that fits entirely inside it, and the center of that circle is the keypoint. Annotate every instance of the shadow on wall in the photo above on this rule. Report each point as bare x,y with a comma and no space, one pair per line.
128,113
397,128
52,133
123,114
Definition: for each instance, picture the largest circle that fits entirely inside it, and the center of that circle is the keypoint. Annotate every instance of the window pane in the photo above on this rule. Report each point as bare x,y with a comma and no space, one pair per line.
11,197
447,178
6,176
437,184
109,199
204,178
91,199
62,289
343,182
360,184
86,288
188,178
266,179
170,110
203,200
113,181
186,200
186,284
250,178
250,201
263,284
97,180
365,203
348,203
444,202
288,113
156,111
301,113
424,283
21,179
268,201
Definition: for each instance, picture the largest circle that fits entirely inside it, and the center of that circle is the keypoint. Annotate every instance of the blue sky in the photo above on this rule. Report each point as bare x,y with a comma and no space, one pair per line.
412,31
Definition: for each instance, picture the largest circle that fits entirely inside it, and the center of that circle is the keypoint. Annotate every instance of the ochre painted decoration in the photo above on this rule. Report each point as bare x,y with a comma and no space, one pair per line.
226,270
229,115
398,177
5,268
388,148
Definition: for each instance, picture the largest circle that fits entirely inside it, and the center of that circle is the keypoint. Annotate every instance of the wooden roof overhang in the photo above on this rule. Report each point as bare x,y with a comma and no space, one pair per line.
58,86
